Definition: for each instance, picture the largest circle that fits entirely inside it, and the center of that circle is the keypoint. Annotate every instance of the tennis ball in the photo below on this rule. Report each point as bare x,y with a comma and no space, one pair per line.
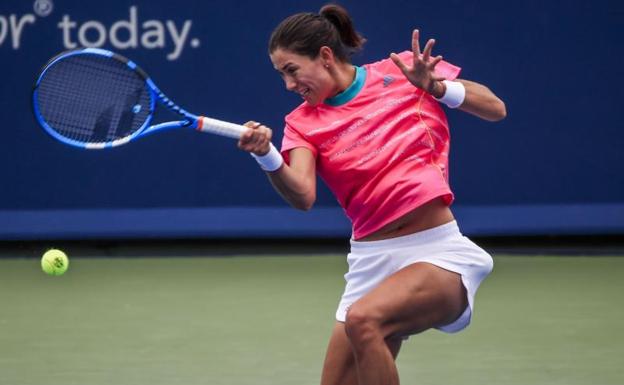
54,262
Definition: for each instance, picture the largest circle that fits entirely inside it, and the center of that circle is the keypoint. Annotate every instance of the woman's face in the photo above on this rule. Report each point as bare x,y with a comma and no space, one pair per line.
310,78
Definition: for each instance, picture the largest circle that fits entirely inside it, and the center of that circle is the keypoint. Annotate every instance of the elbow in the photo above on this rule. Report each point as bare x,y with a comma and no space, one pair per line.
501,111
304,203
498,111
306,207
303,206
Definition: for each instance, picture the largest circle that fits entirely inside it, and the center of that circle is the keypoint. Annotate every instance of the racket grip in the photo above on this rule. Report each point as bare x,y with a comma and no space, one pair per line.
220,127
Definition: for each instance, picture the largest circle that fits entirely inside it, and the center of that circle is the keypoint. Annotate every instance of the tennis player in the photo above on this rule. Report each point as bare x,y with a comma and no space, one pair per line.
379,138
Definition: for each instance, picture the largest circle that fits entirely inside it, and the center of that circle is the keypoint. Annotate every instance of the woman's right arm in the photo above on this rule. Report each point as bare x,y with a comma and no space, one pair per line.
295,182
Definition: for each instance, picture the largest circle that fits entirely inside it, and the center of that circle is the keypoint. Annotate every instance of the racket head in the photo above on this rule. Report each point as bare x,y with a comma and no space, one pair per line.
93,98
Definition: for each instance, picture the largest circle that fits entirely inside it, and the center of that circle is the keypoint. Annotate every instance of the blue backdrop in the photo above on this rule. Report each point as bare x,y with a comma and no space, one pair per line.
554,166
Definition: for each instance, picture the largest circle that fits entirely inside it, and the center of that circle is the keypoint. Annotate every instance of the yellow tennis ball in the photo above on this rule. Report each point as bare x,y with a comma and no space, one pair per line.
54,262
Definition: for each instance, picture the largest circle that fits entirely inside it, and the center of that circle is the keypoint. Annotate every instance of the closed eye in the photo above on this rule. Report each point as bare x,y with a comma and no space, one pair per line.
290,69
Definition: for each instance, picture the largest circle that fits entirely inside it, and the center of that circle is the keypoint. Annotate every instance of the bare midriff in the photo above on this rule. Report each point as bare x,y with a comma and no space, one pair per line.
432,214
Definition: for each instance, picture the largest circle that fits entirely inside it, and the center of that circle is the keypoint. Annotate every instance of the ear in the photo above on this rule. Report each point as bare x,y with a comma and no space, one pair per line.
327,56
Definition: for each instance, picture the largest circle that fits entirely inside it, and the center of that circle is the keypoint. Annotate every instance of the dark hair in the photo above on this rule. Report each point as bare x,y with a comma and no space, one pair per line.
306,33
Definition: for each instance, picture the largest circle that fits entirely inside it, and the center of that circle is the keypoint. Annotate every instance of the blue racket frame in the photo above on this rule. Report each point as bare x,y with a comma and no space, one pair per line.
190,120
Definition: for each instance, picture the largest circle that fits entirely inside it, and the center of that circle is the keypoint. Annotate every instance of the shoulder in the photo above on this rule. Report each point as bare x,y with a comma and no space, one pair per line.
299,121
301,111
305,117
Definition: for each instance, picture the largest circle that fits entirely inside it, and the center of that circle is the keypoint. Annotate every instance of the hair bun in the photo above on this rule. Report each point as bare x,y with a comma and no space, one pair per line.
340,18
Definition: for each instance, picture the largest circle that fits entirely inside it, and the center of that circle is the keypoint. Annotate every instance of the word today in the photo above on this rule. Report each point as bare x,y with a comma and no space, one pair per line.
122,34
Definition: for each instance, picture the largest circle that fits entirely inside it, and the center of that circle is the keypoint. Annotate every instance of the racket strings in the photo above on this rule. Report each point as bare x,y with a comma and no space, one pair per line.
93,99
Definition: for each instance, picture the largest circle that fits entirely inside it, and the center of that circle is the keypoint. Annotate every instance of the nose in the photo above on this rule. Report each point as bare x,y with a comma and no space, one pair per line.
291,85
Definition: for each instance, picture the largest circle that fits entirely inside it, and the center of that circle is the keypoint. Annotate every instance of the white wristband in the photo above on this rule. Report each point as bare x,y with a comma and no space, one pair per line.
270,161
454,95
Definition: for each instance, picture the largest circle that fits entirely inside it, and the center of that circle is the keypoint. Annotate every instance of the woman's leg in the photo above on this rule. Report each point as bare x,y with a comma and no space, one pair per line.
339,367
414,299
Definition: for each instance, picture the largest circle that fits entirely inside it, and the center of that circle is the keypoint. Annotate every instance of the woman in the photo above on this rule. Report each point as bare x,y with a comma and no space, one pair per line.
378,137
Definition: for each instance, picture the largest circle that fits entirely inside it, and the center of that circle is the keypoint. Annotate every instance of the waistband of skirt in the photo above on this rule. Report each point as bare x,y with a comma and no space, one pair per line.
414,239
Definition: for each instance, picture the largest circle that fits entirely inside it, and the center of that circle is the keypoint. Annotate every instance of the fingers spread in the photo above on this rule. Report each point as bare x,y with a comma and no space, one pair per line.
435,61
428,48
399,63
415,44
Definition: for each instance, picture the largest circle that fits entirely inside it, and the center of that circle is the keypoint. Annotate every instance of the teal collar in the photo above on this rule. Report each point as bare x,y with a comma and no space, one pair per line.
351,92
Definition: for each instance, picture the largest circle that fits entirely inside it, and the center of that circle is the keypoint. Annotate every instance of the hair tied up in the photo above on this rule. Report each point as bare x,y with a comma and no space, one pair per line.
340,18
306,33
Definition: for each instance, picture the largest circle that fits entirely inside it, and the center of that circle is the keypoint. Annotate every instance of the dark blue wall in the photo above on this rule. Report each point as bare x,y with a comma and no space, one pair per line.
554,166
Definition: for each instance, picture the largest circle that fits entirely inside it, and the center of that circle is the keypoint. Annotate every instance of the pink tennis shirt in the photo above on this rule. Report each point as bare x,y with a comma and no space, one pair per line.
383,150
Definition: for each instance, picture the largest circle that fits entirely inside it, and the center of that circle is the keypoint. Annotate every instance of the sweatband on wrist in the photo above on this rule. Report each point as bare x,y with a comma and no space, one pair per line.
454,95
270,161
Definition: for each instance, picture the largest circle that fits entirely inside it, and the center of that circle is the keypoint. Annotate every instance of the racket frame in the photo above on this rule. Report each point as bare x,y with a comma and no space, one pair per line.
200,123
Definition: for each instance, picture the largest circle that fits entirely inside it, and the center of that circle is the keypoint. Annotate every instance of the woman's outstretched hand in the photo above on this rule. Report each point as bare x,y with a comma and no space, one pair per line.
421,72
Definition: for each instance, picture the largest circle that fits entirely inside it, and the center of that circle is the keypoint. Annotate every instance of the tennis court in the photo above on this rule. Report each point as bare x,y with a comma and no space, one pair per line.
265,319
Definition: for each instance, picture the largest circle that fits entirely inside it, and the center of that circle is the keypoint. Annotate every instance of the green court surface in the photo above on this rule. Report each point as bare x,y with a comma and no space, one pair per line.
266,319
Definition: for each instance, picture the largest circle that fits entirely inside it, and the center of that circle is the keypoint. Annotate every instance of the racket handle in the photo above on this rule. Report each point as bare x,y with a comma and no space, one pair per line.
220,127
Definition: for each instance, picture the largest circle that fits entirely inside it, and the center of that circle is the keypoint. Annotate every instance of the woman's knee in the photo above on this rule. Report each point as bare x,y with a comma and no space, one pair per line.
362,326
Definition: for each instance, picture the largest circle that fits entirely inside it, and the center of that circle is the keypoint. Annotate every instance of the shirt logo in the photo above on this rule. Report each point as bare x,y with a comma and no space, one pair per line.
387,80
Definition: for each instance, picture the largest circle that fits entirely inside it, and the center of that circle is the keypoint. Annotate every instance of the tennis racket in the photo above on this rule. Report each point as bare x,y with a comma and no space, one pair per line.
95,99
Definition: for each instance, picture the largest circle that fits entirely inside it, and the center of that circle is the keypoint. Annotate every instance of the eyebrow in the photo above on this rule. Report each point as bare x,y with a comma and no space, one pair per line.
285,66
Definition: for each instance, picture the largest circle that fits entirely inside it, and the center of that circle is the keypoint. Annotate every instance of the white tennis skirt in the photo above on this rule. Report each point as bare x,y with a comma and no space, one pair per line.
372,262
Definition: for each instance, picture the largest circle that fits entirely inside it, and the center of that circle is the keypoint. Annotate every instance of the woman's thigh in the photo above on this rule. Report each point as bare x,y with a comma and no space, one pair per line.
415,298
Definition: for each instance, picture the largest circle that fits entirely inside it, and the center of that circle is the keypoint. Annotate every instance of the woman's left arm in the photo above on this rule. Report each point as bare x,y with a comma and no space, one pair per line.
473,98
482,102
